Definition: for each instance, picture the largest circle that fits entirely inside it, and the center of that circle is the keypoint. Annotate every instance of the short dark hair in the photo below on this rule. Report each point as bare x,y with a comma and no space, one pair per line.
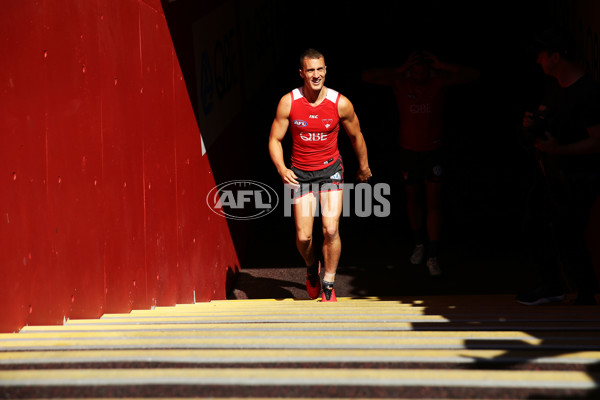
556,40
421,59
311,54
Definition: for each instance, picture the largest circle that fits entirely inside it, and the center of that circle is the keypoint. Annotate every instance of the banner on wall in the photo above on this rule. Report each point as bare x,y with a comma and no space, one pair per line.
235,52
218,72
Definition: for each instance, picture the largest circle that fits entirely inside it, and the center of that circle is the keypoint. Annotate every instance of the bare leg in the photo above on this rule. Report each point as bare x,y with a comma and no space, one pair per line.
434,222
434,210
414,207
331,207
304,211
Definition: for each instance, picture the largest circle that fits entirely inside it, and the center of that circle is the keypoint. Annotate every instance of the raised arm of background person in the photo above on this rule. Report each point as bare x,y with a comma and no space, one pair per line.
278,130
381,76
387,76
452,74
351,125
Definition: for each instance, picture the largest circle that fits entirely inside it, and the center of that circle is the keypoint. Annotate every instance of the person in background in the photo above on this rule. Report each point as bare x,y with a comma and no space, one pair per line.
420,90
565,130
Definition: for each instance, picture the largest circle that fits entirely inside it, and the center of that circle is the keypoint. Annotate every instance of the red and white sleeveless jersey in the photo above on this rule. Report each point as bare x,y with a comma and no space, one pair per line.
314,131
421,114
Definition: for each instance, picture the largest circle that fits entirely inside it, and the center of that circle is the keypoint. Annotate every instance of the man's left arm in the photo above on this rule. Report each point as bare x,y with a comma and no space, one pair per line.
589,145
453,74
351,125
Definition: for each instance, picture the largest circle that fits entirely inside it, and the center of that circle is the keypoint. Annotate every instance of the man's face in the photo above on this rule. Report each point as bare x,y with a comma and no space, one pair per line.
420,73
547,61
313,72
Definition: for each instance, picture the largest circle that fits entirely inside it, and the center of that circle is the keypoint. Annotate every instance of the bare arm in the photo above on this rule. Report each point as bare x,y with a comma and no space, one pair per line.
381,76
351,125
387,76
589,145
452,74
278,130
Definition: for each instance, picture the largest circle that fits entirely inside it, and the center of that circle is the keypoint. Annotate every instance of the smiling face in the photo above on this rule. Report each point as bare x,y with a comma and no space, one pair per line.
313,72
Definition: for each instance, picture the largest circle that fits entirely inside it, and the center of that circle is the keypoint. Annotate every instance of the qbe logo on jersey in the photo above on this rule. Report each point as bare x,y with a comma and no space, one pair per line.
242,199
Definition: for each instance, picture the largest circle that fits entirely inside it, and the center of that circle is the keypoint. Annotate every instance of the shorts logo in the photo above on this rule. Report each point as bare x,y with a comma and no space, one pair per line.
327,122
299,122
337,175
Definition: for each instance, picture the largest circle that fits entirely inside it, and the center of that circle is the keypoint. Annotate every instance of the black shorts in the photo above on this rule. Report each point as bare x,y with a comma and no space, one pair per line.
419,166
322,180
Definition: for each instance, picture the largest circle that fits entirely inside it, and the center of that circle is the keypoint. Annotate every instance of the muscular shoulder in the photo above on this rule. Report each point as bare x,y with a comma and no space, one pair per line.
285,104
345,107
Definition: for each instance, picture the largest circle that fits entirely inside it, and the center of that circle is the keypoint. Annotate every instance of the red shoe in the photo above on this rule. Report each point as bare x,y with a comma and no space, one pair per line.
328,295
313,282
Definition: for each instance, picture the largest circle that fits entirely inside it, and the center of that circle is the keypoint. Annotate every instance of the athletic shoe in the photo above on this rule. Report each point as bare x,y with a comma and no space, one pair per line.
328,294
313,280
541,295
434,266
418,254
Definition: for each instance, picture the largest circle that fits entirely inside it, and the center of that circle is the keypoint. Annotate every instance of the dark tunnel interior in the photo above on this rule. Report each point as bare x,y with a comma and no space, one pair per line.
489,166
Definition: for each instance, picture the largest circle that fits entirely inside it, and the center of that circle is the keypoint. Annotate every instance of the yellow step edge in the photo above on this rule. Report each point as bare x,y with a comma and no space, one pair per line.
225,355
302,376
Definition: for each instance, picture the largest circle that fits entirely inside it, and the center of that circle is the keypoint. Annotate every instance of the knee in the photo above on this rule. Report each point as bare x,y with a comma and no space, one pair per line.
330,231
434,203
434,207
303,237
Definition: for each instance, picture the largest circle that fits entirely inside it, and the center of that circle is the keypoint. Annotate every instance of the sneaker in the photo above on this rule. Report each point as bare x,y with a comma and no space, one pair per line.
541,295
313,281
418,254
328,293
434,266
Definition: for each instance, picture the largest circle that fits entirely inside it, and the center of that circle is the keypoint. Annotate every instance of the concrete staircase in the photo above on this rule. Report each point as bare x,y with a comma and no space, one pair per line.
408,347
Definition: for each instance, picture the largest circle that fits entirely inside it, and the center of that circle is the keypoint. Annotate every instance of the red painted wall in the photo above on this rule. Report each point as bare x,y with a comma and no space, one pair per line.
102,176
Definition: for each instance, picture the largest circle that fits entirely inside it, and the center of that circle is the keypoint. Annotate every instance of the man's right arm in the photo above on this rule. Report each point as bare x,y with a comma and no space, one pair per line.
453,74
388,76
278,130
380,76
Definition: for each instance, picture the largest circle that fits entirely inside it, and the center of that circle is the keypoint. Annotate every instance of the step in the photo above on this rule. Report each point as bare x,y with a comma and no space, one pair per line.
415,346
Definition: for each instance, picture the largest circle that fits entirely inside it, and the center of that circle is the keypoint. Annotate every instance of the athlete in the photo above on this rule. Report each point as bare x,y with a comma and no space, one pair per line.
313,114
419,86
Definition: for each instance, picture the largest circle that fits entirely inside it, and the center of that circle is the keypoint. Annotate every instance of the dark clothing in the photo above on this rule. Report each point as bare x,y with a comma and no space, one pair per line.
571,182
569,112
418,166
323,180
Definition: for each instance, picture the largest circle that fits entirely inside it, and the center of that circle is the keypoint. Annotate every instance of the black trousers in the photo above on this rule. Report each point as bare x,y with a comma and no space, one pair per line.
559,209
